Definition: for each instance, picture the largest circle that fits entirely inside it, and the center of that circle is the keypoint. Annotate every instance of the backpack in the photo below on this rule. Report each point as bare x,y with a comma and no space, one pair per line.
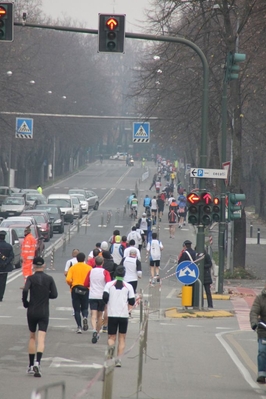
172,216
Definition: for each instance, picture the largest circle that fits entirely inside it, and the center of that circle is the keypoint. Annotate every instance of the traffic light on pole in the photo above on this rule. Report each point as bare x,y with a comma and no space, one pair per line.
193,200
232,69
234,205
216,210
6,22
206,209
111,33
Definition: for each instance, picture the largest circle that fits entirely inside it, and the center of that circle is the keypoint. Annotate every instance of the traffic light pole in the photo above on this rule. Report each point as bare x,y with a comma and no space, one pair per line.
222,224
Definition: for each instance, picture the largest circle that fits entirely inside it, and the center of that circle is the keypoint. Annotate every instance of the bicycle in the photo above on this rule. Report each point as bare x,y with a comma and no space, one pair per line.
134,213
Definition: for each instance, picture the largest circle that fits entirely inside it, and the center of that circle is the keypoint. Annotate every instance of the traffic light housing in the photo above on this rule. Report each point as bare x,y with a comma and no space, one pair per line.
234,208
216,210
193,200
232,69
206,209
111,33
6,22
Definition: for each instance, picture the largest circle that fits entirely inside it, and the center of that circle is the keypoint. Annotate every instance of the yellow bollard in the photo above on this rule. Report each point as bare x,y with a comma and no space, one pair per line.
187,295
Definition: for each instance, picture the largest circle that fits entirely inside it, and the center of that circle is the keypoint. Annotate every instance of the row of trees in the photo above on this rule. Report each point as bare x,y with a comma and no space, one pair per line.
71,81
171,83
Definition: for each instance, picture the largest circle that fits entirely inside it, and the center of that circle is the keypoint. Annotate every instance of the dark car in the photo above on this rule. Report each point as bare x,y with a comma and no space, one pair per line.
19,228
55,216
43,222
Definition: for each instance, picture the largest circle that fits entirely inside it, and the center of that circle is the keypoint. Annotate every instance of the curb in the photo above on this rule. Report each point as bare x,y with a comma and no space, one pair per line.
184,314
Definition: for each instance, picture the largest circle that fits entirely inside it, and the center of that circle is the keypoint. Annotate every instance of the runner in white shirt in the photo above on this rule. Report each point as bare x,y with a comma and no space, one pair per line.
127,250
154,250
133,268
71,261
95,281
134,235
154,208
120,298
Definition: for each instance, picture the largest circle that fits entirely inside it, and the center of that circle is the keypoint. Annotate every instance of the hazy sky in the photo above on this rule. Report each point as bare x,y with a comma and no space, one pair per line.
86,11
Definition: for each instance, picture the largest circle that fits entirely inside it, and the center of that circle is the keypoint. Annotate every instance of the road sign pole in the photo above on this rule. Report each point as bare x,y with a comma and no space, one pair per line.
196,303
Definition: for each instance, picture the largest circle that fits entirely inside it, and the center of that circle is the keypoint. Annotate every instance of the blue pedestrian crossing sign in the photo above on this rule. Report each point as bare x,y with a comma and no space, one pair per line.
141,132
187,272
24,128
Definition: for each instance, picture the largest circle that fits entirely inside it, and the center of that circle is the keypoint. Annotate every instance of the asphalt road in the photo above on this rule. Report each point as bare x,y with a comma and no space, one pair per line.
186,358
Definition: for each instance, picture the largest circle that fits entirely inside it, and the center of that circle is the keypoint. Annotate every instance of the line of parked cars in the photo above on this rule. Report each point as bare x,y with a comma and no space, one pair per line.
27,207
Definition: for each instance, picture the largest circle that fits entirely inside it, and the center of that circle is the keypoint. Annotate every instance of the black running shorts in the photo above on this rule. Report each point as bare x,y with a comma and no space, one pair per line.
117,323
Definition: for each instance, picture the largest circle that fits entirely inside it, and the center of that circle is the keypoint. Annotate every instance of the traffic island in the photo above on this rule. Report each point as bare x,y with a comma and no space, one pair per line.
215,297
172,313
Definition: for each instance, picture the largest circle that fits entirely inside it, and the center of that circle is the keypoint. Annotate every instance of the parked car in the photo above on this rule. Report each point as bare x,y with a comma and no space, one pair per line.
12,206
35,199
12,239
89,195
40,247
83,202
43,222
65,203
93,200
18,220
55,216
6,191
77,206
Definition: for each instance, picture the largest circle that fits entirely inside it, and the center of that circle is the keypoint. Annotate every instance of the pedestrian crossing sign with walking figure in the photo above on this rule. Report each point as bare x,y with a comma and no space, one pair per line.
141,132
24,128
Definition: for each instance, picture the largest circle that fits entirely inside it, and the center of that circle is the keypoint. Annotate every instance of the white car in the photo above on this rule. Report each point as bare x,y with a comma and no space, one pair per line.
76,207
120,156
83,202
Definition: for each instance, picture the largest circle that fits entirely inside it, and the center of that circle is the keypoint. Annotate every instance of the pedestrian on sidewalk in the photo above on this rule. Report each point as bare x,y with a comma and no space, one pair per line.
257,317
42,288
79,292
120,298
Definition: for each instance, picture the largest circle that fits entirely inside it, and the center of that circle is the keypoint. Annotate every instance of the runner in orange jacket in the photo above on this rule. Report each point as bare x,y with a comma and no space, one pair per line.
27,253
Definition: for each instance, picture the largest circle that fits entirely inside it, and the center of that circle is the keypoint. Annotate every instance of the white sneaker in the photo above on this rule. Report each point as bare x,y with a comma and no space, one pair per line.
36,369
30,370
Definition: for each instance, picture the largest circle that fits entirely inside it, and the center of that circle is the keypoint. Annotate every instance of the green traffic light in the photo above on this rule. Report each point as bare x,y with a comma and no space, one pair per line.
234,209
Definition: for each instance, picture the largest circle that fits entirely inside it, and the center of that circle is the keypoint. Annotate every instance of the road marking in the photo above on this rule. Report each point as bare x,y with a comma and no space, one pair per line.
171,293
239,364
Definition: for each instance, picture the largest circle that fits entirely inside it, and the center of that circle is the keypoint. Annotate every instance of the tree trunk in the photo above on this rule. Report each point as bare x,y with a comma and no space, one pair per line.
239,258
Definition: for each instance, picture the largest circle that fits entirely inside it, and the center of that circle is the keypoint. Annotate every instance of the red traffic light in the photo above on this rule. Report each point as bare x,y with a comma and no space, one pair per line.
207,198
112,23
2,12
193,198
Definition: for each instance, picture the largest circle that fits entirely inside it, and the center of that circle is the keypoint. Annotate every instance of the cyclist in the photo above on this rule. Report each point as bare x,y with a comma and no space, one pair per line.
147,204
134,206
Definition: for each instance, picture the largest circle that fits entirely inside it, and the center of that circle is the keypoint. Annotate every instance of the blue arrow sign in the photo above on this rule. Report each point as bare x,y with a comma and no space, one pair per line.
24,128
141,132
187,272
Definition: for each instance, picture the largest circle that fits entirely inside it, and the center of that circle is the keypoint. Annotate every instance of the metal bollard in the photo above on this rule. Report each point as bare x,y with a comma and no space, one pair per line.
64,243
69,234
86,225
78,225
258,236
251,230
52,259
102,219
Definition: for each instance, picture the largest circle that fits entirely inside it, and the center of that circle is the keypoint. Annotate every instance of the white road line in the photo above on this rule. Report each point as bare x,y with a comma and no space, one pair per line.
239,364
171,293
